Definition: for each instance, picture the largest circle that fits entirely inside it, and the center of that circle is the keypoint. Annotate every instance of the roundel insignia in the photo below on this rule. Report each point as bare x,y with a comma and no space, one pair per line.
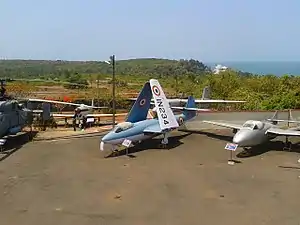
156,90
142,102
180,120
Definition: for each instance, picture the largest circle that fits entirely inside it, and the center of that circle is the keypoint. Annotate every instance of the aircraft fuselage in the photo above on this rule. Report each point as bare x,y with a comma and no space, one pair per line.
248,138
137,131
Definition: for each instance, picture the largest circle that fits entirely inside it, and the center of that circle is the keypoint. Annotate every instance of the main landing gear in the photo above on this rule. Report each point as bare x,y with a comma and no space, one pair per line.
287,145
165,141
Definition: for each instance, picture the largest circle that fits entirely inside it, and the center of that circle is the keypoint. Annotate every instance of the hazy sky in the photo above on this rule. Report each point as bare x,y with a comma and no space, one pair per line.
207,30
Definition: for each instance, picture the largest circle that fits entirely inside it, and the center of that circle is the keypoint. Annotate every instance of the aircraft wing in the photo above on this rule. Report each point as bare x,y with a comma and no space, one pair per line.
209,101
153,129
198,101
65,115
217,101
165,114
62,115
60,102
283,132
51,101
105,115
221,124
190,109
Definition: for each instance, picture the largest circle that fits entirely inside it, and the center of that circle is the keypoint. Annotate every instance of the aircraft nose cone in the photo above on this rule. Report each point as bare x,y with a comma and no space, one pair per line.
105,138
108,137
241,138
237,139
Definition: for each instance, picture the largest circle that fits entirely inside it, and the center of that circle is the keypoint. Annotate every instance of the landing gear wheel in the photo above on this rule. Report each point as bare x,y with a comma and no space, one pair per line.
246,152
287,146
246,149
164,141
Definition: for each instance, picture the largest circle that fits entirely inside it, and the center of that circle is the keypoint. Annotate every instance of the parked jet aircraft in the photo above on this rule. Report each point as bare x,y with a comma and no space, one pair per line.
254,132
81,110
137,127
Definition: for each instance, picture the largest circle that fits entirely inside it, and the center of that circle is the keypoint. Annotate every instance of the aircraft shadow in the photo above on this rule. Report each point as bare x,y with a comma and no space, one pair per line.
275,145
174,141
212,135
15,143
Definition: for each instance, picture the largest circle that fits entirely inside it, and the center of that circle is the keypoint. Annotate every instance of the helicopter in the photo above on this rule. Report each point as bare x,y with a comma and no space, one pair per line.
13,115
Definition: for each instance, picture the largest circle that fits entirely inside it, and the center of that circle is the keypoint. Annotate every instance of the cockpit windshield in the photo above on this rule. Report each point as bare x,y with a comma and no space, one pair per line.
123,126
253,125
249,125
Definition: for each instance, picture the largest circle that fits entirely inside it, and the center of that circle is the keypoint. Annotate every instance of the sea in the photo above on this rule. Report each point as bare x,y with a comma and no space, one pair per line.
263,68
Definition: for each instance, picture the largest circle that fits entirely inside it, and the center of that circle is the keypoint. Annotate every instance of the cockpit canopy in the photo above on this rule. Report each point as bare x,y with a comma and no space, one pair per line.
123,126
253,125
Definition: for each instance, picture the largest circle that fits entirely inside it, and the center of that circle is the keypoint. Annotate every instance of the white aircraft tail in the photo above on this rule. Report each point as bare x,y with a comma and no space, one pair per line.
290,119
165,114
206,93
274,119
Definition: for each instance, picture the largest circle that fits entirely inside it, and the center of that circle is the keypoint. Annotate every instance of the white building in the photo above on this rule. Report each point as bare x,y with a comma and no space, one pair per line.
219,68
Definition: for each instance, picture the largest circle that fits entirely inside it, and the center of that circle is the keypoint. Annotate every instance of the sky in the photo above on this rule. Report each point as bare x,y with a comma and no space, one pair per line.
206,30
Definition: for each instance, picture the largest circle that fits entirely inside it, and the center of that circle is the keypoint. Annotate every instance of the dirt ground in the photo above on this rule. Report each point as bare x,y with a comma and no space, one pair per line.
71,182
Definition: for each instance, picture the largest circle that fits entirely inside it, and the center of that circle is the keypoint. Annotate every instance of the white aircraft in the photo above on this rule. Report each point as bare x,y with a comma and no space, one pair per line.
254,132
81,110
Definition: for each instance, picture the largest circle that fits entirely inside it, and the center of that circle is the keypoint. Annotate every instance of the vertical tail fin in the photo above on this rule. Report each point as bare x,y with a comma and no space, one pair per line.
290,115
205,96
140,108
274,117
190,104
206,93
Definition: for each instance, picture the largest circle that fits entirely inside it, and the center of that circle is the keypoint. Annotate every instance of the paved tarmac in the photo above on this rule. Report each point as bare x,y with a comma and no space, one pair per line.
71,182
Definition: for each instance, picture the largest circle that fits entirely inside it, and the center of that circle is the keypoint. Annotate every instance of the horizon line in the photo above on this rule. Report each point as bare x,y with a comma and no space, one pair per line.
155,58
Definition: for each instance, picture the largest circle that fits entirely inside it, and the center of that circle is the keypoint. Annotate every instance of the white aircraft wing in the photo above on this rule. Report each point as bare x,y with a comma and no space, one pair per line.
62,115
198,100
105,115
51,101
190,109
65,115
217,101
60,102
208,101
165,114
283,132
221,124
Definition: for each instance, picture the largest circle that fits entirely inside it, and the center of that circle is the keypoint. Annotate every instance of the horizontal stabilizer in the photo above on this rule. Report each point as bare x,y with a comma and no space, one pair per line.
288,121
190,109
